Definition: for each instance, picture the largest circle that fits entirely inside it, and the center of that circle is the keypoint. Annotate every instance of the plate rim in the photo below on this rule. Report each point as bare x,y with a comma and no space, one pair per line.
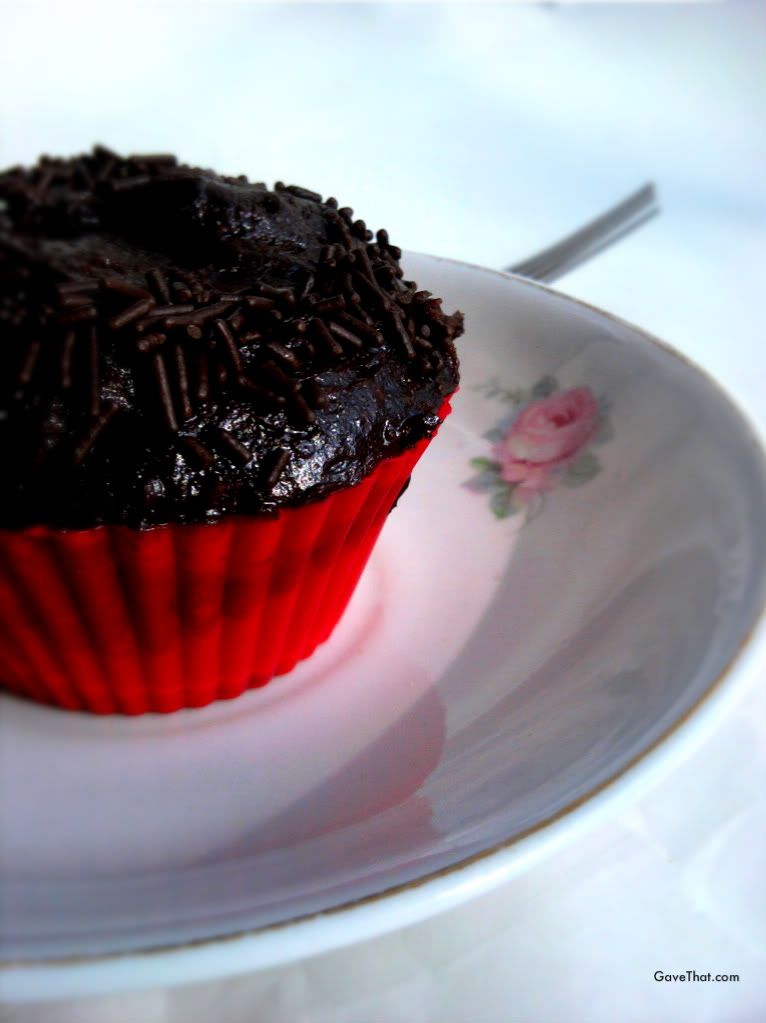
48,978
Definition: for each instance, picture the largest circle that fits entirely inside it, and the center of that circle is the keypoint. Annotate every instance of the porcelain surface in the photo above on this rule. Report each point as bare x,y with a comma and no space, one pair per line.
569,581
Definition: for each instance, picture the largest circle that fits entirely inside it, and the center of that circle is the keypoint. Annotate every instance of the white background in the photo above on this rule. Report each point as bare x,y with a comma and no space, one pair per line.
482,132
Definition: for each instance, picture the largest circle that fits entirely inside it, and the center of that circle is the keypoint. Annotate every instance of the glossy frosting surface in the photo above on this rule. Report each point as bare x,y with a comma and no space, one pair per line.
177,345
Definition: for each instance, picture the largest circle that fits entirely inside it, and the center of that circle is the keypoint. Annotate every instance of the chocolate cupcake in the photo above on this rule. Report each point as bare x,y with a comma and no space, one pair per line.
212,395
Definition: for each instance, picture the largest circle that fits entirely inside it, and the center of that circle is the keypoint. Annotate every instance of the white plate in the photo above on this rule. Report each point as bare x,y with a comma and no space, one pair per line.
524,639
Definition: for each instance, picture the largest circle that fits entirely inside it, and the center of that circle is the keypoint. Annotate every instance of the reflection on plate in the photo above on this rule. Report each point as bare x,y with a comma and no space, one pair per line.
574,569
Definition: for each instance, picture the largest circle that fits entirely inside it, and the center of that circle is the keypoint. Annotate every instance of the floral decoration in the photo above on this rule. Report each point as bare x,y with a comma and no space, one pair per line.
544,441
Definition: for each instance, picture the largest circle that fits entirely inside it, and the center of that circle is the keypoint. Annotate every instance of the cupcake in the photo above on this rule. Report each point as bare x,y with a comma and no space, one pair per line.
213,393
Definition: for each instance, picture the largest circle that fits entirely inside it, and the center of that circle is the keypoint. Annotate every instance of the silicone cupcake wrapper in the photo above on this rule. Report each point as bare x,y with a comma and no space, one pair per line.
115,620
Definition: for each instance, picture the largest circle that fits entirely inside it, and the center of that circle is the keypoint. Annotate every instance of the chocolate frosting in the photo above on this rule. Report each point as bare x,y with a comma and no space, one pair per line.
176,346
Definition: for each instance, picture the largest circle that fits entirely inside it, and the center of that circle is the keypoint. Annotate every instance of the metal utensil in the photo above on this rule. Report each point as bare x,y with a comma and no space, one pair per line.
553,262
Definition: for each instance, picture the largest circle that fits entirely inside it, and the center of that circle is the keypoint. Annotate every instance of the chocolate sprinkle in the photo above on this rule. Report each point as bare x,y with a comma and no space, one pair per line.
149,342
133,312
284,354
197,453
128,184
208,312
234,446
160,311
229,345
302,409
83,314
283,295
404,338
280,459
331,305
326,340
75,300
67,350
249,336
303,193
182,381
360,327
346,335
95,379
276,376
259,302
156,280
261,392
28,364
197,315
163,388
77,287
202,377
316,396
95,431
121,287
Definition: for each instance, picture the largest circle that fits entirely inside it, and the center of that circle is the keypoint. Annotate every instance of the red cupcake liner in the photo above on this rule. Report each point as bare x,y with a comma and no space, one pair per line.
114,620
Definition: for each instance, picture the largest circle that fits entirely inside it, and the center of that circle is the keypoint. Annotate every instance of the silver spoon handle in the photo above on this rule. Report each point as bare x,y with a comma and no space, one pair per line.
551,263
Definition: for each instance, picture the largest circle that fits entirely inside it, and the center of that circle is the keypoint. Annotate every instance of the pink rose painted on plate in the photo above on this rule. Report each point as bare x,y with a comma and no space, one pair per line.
545,441
546,434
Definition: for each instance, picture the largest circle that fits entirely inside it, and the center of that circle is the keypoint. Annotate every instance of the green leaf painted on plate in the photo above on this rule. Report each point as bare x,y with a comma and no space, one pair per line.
516,396
604,406
544,387
494,389
501,502
485,463
605,432
484,482
582,470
